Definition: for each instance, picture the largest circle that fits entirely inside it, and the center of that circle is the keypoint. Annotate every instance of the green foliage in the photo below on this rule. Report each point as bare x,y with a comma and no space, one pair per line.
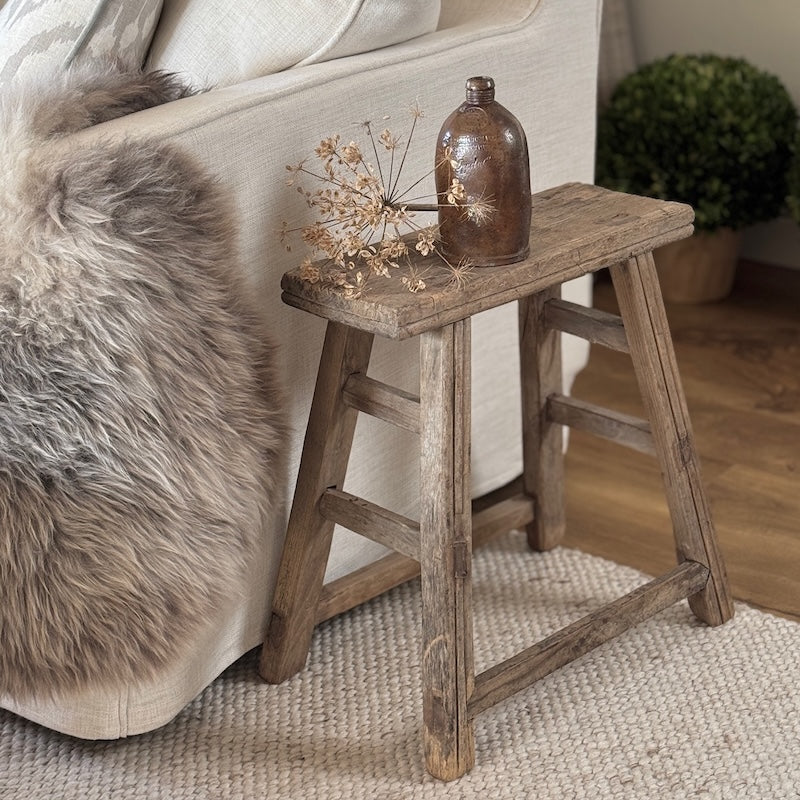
793,181
710,131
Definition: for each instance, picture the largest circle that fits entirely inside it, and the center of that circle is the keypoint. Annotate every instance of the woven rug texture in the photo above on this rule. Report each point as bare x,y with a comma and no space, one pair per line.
671,709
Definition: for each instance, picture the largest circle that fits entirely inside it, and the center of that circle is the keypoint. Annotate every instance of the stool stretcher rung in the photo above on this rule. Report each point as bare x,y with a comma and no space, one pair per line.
506,515
380,400
520,671
621,428
598,327
372,521
393,569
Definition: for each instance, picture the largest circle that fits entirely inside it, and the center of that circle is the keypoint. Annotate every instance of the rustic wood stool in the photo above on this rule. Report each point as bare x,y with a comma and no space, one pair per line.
576,229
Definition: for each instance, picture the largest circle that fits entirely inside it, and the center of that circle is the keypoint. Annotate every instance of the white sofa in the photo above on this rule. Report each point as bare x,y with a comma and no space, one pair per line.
543,57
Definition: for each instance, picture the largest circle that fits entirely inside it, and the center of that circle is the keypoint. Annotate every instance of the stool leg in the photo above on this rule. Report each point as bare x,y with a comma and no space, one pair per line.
446,542
542,440
323,464
642,310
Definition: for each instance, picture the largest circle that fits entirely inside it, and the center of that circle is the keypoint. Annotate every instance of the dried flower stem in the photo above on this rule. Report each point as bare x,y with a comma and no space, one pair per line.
363,215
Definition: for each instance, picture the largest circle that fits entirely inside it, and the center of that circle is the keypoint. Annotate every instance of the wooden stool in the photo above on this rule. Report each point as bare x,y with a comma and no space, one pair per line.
576,229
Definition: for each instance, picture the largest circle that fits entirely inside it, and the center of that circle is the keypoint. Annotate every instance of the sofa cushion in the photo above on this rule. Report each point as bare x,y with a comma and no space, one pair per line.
42,36
218,43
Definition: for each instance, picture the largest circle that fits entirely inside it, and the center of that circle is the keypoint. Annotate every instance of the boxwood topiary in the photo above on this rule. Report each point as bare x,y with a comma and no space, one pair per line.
793,196
707,130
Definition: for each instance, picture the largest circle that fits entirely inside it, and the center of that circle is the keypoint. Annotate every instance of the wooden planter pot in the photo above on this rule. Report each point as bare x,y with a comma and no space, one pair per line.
699,269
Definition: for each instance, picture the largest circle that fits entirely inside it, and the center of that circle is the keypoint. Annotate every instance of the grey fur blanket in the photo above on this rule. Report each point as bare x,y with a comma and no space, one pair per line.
140,419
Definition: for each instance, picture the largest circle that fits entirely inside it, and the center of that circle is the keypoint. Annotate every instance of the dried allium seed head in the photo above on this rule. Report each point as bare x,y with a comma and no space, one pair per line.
327,147
351,153
359,203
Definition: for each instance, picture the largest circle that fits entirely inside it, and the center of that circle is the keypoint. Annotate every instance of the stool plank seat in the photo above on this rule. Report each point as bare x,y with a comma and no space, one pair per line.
576,229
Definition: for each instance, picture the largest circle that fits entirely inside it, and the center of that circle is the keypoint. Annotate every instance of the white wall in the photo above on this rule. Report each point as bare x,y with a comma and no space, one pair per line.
766,33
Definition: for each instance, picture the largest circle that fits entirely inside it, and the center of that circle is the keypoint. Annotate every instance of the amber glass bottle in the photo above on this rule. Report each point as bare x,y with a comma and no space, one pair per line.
488,145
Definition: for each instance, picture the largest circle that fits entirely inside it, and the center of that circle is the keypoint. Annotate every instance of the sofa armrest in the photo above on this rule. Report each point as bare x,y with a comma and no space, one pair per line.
545,71
475,13
523,50
544,66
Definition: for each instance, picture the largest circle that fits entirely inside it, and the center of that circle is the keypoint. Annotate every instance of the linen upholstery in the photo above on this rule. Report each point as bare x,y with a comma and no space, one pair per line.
544,64
218,43
39,37
617,55
465,12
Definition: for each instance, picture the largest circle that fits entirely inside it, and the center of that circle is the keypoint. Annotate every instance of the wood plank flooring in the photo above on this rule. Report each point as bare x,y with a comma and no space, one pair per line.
740,365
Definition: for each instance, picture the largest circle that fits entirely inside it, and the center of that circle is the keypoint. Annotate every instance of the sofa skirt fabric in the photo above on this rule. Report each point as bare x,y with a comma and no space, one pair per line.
544,64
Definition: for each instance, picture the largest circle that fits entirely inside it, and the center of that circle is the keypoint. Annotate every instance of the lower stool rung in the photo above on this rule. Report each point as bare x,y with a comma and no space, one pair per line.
598,327
393,569
401,534
506,515
372,521
621,428
516,673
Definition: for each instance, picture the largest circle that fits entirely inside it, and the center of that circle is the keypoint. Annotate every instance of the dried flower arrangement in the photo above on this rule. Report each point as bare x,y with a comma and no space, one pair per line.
367,219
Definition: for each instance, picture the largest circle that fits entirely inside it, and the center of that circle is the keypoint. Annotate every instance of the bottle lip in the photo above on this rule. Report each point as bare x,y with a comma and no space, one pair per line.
480,89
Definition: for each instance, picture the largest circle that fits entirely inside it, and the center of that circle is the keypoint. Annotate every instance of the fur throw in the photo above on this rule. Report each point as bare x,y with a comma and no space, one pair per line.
140,422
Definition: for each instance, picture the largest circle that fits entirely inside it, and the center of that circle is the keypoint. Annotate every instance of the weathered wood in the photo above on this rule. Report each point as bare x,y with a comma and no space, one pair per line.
323,463
575,229
380,400
542,439
513,513
739,368
642,310
364,584
492,517
614,425
445,552
372,521
598,327
516,673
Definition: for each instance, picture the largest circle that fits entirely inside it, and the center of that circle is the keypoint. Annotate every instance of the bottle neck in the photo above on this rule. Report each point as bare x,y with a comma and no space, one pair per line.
480,91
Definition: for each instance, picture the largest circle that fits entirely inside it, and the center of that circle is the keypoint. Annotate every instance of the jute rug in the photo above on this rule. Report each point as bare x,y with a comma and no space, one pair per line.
671,709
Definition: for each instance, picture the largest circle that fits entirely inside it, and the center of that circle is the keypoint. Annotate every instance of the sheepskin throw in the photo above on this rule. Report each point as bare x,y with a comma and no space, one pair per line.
140,422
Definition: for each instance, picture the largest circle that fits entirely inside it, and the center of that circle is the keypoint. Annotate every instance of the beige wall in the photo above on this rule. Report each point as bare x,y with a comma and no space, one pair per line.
766,32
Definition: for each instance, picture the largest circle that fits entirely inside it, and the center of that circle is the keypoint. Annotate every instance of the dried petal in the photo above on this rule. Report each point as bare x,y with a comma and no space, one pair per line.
351,153
327,147
388,140
456,192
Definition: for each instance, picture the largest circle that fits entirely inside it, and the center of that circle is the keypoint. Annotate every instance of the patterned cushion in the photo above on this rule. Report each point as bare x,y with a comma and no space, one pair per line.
219,43
40,37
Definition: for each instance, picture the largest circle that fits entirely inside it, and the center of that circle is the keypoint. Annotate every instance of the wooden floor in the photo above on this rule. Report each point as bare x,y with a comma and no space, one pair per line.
740,365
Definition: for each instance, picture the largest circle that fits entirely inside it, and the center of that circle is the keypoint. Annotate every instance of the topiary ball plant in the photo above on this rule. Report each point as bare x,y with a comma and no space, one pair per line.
706,130
793,181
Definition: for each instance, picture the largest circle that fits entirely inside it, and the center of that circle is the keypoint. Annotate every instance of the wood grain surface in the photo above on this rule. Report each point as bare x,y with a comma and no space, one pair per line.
323,464
446,550
575,229
653,357
740,365
510,676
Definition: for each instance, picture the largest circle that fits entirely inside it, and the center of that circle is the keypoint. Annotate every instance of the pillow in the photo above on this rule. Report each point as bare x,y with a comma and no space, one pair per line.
40,37
219,43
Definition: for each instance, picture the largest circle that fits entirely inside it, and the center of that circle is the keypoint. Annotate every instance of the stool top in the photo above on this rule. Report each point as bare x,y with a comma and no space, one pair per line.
575,229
